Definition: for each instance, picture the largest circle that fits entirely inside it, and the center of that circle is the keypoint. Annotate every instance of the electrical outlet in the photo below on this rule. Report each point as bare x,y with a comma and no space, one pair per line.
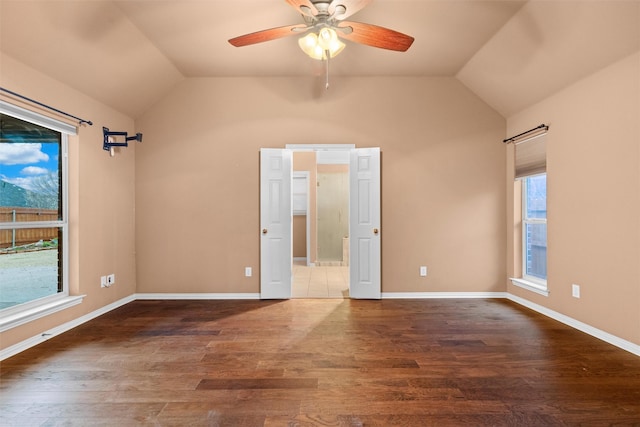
575,290
423,270
103,281
111,279
247,272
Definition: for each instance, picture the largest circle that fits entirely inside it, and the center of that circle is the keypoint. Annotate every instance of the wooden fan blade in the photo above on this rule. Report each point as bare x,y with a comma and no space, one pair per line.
372,35
350,6
266,35
305,7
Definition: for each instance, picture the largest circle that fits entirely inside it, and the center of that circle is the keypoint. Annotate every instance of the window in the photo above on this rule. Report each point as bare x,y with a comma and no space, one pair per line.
534,229
33,216
530,172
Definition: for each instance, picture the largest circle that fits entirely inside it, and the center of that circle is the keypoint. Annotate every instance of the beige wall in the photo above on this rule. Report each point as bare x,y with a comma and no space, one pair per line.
324,168
306,161
443,192
593,175
443,171
299,236
102,199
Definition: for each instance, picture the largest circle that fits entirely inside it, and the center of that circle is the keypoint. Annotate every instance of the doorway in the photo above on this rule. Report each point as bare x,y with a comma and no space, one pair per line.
320,192
276,220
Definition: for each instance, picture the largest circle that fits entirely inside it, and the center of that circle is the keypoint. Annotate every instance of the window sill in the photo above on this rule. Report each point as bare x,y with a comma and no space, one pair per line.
530,286
31,314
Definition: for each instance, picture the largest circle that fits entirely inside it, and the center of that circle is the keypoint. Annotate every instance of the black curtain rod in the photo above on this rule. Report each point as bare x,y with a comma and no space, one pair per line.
542,126
80,121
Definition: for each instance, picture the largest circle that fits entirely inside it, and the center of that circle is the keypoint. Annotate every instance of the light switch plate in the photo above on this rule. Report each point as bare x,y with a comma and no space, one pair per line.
575,291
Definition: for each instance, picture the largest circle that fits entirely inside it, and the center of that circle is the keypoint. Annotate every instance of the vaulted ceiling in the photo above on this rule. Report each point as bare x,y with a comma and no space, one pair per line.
128,54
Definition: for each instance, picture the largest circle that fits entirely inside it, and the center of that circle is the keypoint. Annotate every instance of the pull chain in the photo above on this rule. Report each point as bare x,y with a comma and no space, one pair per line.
326,69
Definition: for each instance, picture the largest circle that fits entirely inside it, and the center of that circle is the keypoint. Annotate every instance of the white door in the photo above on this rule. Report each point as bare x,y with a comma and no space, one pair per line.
276,169
364,223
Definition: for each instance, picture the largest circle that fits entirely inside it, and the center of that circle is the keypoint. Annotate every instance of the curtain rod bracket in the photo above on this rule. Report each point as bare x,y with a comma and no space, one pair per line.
513,138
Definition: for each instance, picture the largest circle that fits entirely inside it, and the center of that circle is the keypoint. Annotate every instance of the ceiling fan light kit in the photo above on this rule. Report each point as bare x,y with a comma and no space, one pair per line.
323,45
325,24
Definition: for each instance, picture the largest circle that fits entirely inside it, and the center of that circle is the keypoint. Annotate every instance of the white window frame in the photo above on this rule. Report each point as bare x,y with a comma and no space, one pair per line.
11,317
532,283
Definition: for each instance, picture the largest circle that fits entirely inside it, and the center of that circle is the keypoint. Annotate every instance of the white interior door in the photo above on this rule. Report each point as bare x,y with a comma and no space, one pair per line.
364,223
276,169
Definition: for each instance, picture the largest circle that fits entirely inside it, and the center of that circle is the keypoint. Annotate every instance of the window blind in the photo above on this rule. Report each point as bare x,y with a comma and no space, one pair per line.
531,156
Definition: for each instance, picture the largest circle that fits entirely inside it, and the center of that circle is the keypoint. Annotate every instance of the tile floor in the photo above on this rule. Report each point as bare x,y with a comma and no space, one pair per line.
320,281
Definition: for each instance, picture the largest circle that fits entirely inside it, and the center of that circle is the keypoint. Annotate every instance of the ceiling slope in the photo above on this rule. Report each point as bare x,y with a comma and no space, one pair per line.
129,53
547,46
194,36
91,46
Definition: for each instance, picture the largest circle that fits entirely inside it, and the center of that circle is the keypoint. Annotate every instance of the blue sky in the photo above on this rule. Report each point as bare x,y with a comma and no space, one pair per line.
21,163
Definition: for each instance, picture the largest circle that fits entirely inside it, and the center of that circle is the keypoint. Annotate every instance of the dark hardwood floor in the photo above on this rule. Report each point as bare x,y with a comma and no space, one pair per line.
321,362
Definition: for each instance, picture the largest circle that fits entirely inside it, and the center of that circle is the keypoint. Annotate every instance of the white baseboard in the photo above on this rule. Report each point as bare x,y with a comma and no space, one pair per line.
576,324
595,332
35,340
203,296
432,295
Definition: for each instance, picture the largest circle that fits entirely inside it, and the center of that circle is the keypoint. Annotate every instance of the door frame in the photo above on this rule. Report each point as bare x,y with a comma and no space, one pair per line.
316,148
305,175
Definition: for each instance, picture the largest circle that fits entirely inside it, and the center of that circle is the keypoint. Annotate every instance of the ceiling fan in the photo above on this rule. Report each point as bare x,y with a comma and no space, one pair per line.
324,23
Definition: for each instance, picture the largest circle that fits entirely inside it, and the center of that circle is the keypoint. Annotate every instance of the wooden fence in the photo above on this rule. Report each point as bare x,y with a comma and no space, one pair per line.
18,237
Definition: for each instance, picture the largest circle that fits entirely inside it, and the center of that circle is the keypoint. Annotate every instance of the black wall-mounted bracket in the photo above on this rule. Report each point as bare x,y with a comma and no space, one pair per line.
115,139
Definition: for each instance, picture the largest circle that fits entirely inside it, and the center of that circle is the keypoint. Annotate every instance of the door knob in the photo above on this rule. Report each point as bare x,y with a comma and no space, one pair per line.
375,231
264,231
